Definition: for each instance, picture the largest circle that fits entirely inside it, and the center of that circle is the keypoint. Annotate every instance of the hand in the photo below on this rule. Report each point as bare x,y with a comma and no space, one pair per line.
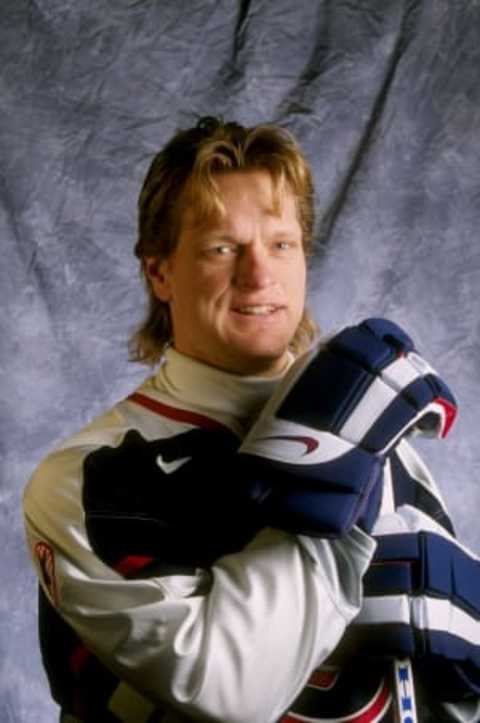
186,509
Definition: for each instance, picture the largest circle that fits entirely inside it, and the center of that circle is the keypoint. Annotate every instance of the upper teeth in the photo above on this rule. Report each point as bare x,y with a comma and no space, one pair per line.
265,309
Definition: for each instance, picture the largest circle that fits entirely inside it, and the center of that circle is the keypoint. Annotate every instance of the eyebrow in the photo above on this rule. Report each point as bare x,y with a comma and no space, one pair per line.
221,236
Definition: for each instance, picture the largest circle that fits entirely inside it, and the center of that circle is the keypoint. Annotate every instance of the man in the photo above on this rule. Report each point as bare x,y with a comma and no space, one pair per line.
171,588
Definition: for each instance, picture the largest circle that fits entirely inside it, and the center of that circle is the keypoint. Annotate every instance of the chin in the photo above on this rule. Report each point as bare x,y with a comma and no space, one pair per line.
262,361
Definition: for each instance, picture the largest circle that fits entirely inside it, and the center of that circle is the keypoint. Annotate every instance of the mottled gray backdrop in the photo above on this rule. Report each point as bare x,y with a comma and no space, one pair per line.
384,95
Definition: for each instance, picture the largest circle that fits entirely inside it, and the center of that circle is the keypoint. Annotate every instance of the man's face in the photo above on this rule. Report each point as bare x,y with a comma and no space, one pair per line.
236,286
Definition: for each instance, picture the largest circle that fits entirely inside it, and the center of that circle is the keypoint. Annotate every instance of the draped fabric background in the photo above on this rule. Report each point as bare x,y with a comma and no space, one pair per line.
383,95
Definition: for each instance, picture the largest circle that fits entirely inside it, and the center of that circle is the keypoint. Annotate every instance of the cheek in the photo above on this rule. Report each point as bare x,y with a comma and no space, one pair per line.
213,285
203,292
296,278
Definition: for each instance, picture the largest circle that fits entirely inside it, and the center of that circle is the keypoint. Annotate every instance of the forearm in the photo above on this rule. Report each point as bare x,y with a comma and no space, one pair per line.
234,643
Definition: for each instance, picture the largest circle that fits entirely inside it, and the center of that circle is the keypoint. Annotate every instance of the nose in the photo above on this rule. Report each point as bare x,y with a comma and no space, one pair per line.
253,268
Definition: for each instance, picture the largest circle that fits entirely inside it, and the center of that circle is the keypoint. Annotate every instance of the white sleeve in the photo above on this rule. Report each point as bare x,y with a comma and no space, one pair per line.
233,643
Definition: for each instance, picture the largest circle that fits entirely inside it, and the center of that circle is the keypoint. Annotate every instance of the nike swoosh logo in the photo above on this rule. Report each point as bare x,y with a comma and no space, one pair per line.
310,443
170,467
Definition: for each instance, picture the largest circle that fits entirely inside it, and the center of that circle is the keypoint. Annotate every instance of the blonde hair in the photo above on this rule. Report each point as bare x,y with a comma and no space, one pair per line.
184,170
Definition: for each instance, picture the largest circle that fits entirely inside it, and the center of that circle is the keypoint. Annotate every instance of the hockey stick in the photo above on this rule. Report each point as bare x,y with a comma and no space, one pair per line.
406,708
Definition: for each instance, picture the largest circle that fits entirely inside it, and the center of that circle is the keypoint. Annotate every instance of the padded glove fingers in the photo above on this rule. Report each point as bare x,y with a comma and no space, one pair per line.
422,600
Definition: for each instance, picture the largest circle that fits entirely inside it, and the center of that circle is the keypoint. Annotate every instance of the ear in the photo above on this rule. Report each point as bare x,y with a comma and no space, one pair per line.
158,273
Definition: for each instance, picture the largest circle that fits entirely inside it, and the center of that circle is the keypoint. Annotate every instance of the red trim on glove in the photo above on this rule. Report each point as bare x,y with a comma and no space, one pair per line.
450,414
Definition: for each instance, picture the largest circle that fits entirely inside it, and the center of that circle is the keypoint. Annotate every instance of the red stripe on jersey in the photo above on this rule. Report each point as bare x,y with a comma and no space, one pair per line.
180,415
371,713
132,563
78,658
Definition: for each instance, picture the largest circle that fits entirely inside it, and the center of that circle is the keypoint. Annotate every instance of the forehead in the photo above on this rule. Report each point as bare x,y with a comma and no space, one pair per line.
241,196
251,185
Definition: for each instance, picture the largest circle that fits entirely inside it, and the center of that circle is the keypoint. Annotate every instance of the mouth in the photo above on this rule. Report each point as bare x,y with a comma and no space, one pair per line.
257,309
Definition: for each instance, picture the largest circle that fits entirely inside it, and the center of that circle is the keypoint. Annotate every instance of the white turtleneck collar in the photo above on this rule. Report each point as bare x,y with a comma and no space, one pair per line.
231,398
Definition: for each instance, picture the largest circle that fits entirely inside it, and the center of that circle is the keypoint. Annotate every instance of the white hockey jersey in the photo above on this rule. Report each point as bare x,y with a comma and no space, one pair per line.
160,600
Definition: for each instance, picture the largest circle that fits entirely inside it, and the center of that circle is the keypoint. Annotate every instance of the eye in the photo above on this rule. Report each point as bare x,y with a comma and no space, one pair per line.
283,245
223,249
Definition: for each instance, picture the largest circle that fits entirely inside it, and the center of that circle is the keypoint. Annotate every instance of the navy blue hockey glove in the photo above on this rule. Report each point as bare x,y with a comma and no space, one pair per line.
422,601
422,590
314,459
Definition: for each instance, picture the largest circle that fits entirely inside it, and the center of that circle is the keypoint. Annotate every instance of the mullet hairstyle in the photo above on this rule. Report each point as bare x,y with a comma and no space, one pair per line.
183,173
